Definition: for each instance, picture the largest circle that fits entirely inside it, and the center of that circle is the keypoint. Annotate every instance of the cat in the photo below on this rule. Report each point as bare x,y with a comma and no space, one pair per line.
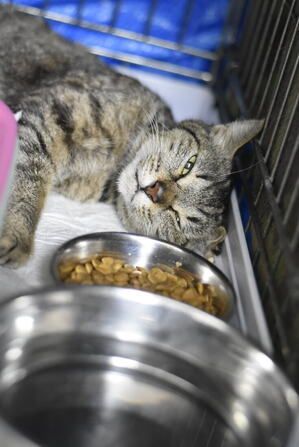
93,134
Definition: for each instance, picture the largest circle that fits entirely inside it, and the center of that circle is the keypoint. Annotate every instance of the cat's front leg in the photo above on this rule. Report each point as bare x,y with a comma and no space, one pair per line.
213,247
32,181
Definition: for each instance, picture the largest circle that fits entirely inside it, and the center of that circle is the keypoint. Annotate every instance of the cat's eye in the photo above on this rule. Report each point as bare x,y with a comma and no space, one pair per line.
189,165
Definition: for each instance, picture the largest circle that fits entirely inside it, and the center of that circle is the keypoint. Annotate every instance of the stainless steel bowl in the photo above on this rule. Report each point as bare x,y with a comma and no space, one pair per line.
146,252
105,366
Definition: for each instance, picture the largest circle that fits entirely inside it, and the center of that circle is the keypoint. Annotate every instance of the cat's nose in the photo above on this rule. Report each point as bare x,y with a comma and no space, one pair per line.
154,191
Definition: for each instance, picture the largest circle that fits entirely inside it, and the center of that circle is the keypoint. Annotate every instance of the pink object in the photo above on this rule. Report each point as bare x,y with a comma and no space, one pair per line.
8,140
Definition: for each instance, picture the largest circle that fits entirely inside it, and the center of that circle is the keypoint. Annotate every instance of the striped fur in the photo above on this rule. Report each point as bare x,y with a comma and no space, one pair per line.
93,134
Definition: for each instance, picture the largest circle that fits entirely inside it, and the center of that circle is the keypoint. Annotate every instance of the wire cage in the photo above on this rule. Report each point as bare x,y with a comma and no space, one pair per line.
257,75
254,73
141,32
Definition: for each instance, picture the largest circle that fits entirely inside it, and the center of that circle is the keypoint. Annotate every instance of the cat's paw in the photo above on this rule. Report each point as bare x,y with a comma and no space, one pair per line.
13,251
214,247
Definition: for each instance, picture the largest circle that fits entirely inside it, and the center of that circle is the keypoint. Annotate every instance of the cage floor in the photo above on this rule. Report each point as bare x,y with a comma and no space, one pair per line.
63,219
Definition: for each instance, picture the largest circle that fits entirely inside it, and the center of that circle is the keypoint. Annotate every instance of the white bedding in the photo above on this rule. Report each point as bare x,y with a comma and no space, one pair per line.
63,219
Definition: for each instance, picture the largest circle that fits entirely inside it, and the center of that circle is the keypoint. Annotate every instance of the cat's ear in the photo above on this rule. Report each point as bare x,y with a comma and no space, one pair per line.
232,136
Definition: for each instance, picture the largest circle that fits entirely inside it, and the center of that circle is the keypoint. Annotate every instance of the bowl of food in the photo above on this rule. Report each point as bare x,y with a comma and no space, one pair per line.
114,366
130,260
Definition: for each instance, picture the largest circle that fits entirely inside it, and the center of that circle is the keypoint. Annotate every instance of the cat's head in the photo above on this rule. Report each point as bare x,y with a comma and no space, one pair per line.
177,185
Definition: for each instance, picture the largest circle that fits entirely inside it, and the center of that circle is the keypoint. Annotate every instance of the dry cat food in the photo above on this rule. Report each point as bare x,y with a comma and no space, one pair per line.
113,271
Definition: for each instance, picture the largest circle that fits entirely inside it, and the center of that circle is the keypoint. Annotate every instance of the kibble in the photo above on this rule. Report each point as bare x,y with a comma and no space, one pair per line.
171,283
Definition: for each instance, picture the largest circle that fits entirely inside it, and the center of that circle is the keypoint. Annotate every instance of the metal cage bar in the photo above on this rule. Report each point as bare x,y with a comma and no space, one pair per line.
177,46
259,77
149,18
253,75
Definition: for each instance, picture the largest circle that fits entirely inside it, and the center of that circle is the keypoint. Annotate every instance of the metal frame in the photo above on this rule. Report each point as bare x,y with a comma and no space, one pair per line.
258,76
145,37
254,74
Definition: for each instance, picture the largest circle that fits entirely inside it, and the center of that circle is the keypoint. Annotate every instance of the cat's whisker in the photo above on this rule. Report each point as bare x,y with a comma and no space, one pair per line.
164,127
245,169
85,133
220,177
156,133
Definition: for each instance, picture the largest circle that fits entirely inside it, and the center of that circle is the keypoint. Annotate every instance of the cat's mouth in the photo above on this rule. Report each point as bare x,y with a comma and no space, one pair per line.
153,191
134,196
137,186
130,187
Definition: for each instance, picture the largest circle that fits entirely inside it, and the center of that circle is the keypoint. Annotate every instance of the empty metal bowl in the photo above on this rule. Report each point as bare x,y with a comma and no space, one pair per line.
134,369
147,252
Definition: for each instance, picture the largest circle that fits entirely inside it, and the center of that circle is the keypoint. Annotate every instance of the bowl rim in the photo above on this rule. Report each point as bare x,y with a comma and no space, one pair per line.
197,316
97,235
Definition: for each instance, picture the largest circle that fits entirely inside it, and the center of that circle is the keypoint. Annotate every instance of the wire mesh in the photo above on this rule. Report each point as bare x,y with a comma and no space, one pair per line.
258,77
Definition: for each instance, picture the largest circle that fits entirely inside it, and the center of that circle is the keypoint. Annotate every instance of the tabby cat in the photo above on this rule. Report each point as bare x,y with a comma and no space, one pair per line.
96,135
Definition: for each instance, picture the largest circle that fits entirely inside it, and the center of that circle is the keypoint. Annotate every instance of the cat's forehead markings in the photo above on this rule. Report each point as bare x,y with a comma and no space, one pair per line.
182,148
190,132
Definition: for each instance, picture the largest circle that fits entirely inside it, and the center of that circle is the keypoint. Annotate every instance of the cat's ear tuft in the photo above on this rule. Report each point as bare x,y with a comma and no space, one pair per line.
232,136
